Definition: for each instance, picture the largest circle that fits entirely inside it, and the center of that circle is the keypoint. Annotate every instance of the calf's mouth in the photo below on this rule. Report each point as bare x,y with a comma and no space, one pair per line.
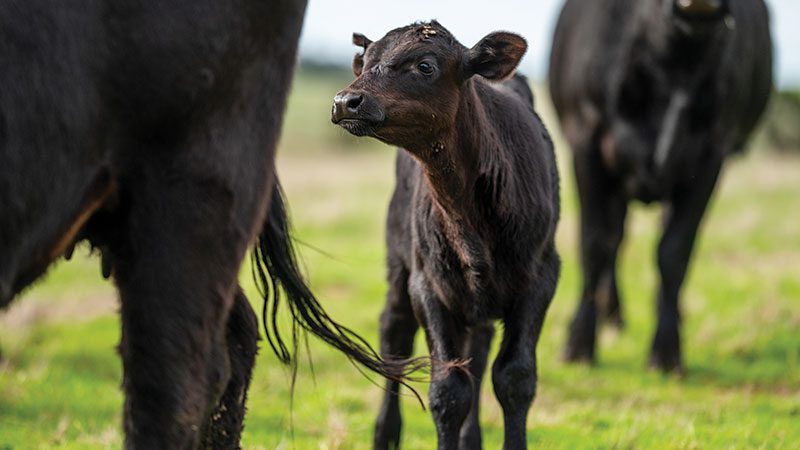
357,127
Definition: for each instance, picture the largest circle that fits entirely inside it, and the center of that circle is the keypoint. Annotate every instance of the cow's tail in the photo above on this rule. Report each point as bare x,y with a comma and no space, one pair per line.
276,272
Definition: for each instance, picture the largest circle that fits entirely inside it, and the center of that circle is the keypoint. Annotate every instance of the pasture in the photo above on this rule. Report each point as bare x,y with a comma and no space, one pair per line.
60,374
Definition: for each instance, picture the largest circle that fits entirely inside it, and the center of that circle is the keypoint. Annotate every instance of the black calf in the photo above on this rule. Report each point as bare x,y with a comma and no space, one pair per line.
471,224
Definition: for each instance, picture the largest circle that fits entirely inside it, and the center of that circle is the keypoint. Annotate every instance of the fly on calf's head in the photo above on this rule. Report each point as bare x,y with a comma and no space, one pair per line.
408,84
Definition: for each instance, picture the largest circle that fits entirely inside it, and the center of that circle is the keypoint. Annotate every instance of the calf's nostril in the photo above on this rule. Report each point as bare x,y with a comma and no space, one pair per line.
353,101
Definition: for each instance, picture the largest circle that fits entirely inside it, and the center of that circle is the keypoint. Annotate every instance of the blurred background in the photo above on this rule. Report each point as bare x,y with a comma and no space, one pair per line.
329,25
60,375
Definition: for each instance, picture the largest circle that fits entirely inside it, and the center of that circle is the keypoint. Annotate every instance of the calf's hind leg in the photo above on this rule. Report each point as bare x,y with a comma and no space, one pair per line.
225,424
398,327
514,370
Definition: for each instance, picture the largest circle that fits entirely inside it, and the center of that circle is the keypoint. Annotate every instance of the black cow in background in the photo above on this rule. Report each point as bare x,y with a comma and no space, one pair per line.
652,96
149,129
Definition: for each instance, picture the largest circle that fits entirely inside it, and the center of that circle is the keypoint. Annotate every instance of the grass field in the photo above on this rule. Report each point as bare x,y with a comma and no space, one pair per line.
60,375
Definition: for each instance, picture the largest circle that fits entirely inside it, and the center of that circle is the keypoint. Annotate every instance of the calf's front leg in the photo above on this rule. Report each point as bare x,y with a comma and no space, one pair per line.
476,352
450,392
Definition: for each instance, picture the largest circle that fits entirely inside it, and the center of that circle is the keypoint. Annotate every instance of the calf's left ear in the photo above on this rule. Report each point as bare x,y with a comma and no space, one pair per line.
496,56
358,60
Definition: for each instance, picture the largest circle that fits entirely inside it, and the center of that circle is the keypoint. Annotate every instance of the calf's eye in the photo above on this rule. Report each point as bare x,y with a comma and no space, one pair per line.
426,68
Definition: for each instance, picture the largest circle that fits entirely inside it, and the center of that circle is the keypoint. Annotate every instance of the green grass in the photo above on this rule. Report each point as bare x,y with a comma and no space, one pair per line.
60,375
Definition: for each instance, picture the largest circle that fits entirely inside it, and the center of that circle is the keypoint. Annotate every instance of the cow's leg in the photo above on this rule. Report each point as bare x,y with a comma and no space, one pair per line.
603,207
398,327
176,268
682,218
476,352
514,370
450,392
225,424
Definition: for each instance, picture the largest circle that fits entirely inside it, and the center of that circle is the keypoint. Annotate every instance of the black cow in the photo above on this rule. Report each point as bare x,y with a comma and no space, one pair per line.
149,129
471,225
652,95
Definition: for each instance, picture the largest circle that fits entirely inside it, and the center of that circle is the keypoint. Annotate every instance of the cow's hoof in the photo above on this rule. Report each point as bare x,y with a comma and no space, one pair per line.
582,354
667,362
615,319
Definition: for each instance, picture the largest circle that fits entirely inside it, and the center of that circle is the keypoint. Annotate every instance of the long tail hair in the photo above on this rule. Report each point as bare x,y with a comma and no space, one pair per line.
275,265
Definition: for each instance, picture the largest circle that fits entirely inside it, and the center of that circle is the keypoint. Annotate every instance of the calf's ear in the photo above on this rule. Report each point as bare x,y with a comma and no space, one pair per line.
358,60
496,56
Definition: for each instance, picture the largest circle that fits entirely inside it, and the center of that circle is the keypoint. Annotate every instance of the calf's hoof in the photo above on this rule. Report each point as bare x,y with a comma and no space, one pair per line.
387,435
470,438
386,441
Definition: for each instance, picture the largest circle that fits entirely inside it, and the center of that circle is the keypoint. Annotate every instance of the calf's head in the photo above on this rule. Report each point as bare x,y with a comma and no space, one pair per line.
410,83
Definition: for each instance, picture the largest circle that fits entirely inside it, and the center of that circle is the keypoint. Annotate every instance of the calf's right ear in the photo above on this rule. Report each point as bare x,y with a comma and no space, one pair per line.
496,56
358,60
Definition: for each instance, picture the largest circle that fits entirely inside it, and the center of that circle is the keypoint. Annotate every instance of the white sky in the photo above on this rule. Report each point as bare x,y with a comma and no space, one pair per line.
330,23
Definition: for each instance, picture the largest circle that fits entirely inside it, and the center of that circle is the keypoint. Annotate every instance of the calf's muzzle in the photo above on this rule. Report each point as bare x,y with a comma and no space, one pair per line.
357,112
346,105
